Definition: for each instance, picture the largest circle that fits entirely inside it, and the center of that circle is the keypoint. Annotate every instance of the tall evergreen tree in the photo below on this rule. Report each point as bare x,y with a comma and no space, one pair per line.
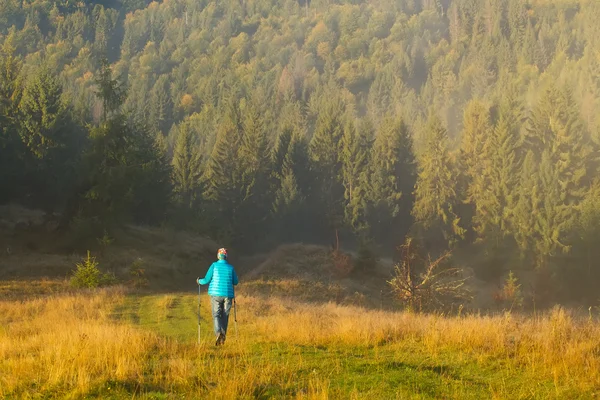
555,129
160,106
254,165
291,186
43,115
435,194
12,149
325,150
497,200
392,178
354,176
111,91
528,203
187,166
125,176
476,131
53,140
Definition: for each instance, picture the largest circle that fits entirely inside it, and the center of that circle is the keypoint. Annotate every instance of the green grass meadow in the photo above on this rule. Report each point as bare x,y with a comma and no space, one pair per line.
391,369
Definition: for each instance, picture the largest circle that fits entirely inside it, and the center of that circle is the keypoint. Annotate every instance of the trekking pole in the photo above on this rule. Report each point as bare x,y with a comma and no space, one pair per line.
198,310
235,318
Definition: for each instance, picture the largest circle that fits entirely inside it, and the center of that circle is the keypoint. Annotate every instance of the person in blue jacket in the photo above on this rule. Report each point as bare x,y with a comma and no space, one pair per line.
221,278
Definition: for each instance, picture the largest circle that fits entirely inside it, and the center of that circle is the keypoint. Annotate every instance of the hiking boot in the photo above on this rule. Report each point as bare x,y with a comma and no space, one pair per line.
220,339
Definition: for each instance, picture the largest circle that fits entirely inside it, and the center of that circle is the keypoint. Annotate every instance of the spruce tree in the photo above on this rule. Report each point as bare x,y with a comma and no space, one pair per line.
528,203
435,194
254,165
52,138
476,131
498,181
291,185
125,177
12,150
111,91
392,178
354,176
325,150
221,177
556,130
187,166
43,115
550,222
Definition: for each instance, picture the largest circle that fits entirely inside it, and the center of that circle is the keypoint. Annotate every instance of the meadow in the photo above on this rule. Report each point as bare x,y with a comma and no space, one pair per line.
117,343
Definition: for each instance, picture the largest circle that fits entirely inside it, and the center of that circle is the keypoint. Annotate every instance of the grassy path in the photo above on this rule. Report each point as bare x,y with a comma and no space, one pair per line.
404,369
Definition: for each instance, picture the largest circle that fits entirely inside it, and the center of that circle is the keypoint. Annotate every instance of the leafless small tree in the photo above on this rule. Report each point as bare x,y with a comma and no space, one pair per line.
426,284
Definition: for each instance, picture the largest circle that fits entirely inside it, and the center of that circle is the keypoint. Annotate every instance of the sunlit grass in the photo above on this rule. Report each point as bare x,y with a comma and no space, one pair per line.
109,343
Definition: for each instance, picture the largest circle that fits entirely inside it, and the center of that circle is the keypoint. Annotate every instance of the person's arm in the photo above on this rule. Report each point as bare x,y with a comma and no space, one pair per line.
206,280
235,278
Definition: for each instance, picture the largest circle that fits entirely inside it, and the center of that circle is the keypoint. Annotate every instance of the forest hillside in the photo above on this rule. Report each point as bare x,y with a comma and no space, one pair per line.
469,126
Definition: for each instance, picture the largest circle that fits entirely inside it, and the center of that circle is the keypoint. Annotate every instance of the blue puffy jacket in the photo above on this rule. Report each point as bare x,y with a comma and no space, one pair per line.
221,277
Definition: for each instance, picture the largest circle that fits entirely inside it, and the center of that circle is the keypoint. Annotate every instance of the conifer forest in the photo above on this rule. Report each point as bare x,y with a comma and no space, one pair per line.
470,126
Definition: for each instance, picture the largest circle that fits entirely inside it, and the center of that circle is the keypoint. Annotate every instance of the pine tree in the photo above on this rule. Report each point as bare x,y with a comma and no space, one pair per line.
555,127
392,178
160,106
254,165
354,176
290,185
220,176
498,181
476,131
187,166
43,115
550,222
280,152
110,91
325,150
541,226
12,149
125,177
527,206
435,195
52,138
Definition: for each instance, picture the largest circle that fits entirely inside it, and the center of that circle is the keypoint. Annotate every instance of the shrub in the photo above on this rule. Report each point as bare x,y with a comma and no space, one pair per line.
137,274
366,258
425,284
87,274
105,240
342,264
510,295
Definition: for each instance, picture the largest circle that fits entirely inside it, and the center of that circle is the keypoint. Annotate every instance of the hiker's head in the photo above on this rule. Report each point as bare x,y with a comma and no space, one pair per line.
222,254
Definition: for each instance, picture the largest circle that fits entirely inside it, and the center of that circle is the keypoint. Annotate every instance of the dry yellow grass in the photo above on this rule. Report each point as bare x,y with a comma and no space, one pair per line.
71,345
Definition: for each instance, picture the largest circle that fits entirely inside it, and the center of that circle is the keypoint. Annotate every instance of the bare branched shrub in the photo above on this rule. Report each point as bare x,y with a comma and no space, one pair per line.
426,284
342,264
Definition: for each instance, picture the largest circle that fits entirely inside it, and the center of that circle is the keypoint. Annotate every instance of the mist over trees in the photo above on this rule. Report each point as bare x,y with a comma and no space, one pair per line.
470,125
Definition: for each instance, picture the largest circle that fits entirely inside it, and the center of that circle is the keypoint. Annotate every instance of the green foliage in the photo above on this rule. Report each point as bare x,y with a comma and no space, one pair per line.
392,177
187,167
510,296
326,152
105,240
293,121
366,257
110,91
137,274
354,159
435,193
125,177
88,275
43,119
